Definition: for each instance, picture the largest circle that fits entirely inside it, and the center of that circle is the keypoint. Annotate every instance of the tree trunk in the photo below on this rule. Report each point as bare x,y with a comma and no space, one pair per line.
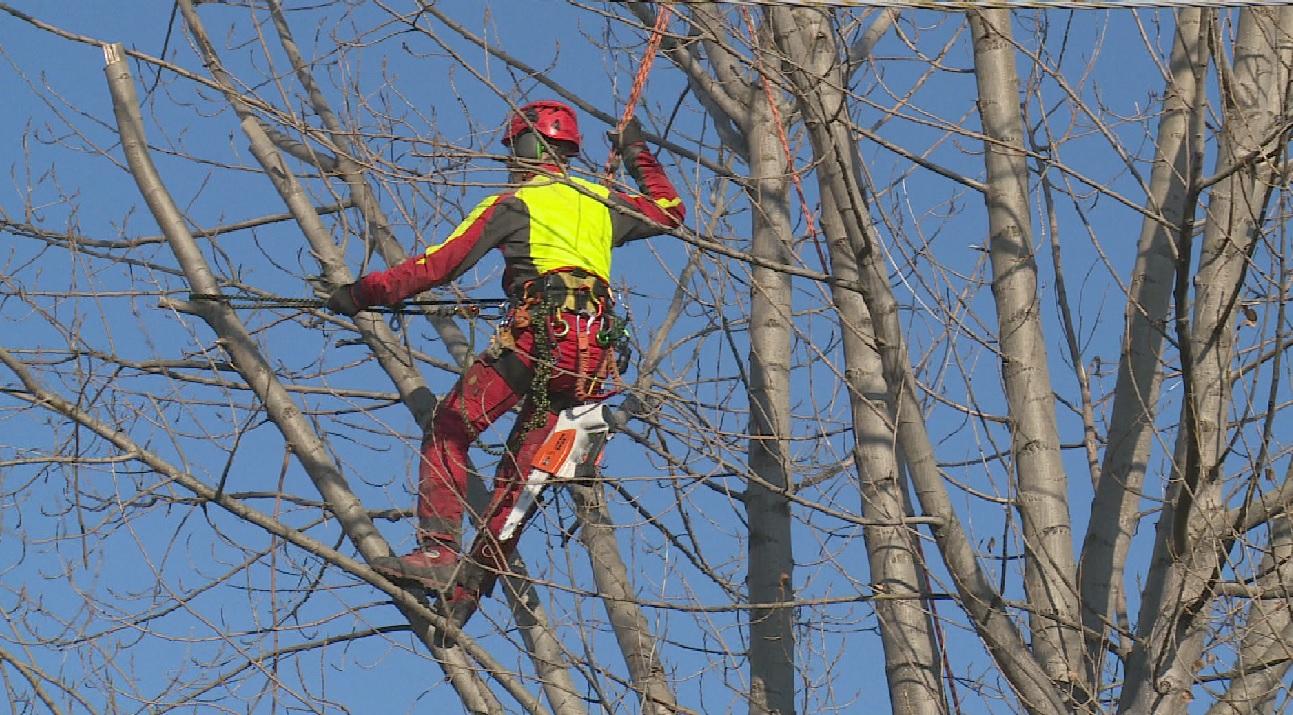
981,602
737,103
770,578
1115,507
906,629
1042,485
1193,536
551,661
637,644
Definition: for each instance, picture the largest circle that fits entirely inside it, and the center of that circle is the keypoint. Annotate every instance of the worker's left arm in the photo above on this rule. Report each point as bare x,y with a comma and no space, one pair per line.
484,228
658,207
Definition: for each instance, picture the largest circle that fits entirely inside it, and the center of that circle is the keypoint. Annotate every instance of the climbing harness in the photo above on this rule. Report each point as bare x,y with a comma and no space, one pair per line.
571,452
483,308
552,306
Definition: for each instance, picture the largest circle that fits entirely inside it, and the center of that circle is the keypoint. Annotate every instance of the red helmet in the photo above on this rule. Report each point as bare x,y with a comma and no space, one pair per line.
553,120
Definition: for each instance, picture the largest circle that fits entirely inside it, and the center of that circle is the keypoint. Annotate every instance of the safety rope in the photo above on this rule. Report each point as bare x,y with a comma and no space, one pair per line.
544,363
484,308
962,5
639,81
807,212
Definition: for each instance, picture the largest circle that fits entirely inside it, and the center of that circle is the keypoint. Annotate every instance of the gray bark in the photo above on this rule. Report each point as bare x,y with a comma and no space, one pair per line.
906,631
770,575
912,666
980,600
1049,568
637,644
550,658
1266,650
1115,505
1193,535
296,430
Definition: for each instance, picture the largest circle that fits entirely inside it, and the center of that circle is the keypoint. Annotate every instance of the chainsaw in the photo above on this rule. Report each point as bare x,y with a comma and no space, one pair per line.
571,452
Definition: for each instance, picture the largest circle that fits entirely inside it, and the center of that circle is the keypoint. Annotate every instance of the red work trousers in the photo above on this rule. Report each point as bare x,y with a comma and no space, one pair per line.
479,398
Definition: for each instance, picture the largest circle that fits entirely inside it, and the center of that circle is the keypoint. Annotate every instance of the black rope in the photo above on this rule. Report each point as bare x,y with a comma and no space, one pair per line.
484,308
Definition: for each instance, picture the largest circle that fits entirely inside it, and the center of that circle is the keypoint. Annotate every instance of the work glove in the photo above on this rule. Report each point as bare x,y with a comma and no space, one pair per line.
628,142
342,300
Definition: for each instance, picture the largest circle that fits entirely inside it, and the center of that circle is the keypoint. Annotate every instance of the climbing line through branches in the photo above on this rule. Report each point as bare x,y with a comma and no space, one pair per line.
639,80
962,5
809,224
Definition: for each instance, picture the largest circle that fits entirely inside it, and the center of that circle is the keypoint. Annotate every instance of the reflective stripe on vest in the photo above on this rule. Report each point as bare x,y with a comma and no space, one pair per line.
570,225
463,225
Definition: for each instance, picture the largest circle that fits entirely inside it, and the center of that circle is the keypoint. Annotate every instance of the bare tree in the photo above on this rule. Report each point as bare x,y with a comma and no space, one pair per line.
871,411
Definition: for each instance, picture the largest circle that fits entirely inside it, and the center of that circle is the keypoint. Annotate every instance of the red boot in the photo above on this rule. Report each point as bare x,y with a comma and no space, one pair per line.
431,565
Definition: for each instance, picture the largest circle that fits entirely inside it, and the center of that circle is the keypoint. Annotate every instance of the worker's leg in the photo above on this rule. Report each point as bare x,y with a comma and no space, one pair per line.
524,443
475,402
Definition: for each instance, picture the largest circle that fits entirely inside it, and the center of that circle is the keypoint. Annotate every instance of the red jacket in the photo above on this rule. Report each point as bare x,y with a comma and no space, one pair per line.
549,222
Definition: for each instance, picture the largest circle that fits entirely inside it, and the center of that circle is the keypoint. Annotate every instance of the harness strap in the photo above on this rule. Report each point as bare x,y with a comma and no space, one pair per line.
566,289
581,353
590,385
514,371
547,305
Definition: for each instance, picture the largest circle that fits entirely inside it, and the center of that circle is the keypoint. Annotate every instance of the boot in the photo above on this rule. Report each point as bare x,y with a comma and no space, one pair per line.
431,565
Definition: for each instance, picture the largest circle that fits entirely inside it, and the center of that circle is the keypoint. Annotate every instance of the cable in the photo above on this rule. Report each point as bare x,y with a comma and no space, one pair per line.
483,308
961,5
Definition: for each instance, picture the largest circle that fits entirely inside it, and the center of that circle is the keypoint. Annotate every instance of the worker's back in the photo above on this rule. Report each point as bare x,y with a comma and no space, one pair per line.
563,223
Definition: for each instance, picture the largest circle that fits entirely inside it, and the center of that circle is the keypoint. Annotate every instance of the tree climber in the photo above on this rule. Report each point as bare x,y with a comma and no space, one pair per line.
554,348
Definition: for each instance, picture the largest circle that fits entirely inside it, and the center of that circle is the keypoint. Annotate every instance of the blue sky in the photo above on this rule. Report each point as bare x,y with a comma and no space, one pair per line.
423,92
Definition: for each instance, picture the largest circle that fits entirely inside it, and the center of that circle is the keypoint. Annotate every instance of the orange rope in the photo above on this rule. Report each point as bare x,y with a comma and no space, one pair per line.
785,140
639,81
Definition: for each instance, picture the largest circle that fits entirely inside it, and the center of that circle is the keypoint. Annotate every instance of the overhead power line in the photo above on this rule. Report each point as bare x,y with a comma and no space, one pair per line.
962,5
